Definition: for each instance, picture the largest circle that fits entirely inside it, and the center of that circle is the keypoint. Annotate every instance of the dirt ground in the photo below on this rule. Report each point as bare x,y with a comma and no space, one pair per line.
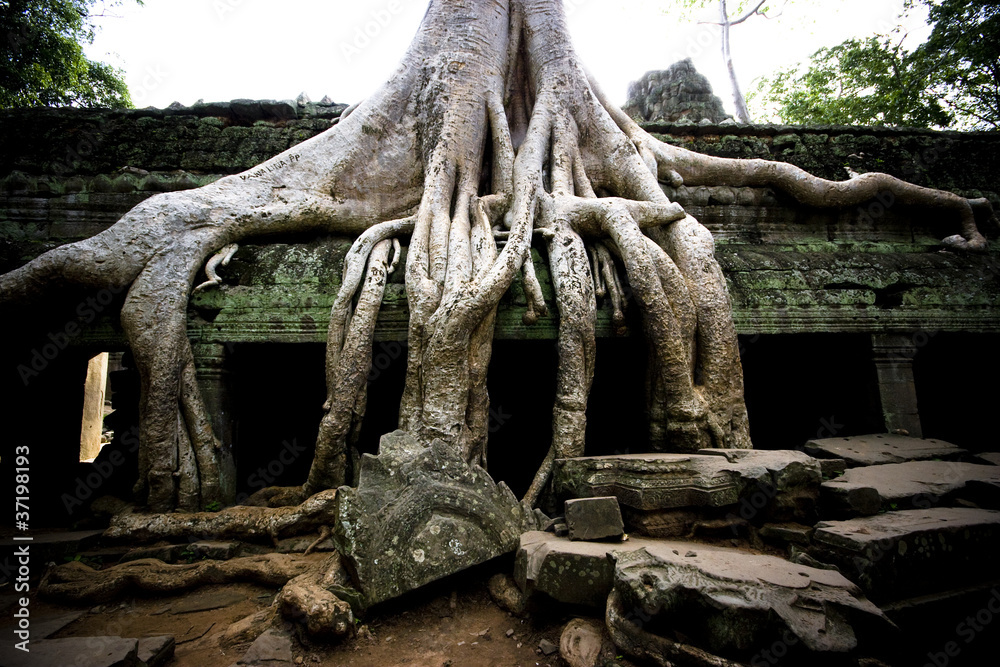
452,623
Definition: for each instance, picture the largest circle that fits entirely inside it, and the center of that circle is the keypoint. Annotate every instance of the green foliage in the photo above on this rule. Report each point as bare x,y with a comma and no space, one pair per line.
42,61
964,52
952,80
859,82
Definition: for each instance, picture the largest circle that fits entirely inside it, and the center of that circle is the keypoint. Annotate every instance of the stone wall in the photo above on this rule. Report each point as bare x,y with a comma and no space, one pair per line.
836,302
66,174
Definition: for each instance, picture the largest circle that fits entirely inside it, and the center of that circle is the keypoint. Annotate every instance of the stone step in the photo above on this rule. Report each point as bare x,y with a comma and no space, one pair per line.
875,449
923,484
76,651
698,588
912,552
754,485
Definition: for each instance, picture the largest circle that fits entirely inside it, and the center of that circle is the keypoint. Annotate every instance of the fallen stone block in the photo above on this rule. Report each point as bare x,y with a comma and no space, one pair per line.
75,651
594,519
420,513
156,651
912,552
734,604
876,449
755,485
272,648
570,572
924,484
841,499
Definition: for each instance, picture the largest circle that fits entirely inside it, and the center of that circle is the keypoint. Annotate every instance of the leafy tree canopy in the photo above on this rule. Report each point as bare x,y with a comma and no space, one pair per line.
952,80
42,61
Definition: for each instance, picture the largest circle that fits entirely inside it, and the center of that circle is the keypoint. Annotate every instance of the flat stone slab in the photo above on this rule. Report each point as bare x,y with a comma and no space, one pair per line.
273,647
989,458
156,651
594,519
912,552
420,513
733,603
683,582
869,450
924,484
75,651
780,484
45,627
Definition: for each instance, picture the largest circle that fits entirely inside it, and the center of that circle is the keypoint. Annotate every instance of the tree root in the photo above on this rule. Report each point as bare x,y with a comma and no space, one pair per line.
245,523
77,582
654,649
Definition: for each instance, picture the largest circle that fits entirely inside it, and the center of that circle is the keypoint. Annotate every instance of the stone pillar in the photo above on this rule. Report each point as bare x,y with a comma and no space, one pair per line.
213,381
93,407
893,355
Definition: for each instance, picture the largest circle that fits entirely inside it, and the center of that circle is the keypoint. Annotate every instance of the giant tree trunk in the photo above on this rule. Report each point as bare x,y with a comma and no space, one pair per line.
488,130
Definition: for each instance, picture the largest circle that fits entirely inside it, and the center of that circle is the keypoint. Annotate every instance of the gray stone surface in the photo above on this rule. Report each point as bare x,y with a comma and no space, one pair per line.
989,458
570,572
844,499
730,602
46,626
273,647
923,484
694,587
594,519
780,485
867,450
156,651
912,552
421,513
73,652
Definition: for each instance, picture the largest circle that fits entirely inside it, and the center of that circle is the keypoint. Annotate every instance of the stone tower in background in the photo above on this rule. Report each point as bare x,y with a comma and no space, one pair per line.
677,93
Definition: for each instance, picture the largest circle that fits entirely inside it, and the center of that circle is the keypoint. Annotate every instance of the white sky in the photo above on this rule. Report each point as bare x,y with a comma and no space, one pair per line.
218,50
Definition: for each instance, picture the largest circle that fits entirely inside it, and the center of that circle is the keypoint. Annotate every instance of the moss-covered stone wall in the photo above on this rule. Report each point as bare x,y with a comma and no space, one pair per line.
66,174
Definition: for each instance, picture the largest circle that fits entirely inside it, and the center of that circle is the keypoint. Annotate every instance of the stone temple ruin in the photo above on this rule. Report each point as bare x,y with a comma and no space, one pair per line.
843,536
678,94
